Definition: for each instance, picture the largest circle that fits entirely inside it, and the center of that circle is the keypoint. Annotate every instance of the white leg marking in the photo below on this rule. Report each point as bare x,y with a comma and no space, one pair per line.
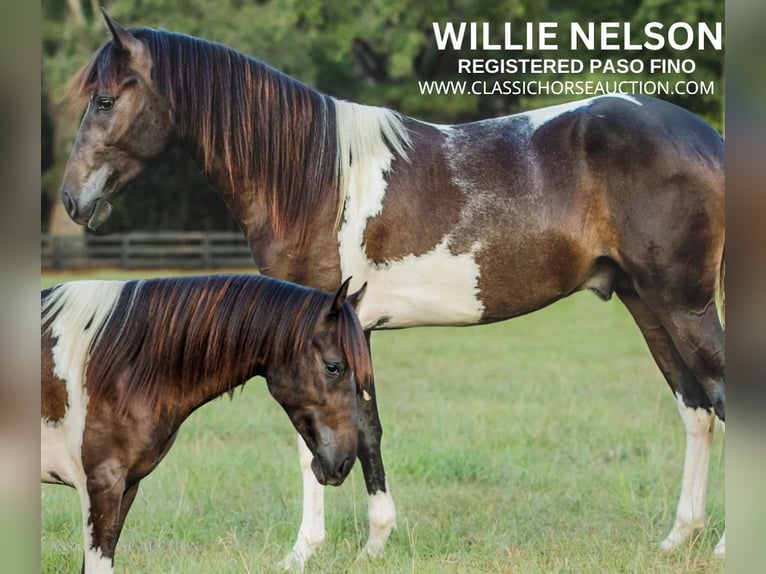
311,533
691,504
95,563
720,548
382,515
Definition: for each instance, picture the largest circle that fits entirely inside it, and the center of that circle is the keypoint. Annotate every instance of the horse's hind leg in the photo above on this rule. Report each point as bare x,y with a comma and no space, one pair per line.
696,412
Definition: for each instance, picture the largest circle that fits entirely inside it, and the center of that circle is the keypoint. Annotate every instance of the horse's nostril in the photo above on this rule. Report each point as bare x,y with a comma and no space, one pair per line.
68,202
344,467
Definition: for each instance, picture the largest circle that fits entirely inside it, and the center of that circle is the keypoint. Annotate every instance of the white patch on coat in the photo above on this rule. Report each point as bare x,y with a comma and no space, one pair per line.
365,131
70,308
542,116
73,306
434,288
690,515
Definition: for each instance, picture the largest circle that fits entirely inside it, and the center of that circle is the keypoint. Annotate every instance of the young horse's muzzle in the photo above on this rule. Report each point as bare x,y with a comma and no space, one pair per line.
332,471
333,456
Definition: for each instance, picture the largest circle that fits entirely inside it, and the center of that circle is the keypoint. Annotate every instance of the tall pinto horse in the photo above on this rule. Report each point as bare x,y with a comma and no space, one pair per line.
448,224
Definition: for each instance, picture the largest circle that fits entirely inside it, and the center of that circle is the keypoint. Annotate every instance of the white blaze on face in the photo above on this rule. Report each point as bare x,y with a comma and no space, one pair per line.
540,117
434,288
93,188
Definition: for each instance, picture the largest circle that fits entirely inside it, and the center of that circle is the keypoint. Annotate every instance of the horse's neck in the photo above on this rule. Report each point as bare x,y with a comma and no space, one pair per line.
242,202
210,388
315,263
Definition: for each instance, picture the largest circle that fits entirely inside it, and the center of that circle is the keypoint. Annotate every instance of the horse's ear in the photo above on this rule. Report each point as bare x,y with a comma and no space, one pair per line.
356,297
122,39
340,297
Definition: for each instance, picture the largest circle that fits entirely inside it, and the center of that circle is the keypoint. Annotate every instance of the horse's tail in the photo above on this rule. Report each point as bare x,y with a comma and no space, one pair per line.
720,294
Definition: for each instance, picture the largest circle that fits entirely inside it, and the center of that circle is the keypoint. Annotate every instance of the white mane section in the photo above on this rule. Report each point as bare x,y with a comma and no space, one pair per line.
364,132
71,308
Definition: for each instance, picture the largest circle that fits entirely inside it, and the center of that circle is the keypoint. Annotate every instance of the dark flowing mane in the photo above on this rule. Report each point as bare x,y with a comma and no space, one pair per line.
275,134
174,333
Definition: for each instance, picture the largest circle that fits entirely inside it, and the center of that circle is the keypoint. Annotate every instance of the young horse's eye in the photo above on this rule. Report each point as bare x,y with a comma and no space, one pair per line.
105,104
332,369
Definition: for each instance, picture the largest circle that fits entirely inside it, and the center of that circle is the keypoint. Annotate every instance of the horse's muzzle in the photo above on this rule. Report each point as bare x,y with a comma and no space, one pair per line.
332,472
69,204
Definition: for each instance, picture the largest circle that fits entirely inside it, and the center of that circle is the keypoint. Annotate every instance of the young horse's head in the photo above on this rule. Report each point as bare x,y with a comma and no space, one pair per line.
126,124
319,389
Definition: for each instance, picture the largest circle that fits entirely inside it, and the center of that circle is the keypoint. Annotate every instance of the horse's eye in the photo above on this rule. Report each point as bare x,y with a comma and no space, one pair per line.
332,369
105,104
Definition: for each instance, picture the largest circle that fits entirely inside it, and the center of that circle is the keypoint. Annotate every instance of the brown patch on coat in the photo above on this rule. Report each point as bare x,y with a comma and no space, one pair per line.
418,187
54,400
547,249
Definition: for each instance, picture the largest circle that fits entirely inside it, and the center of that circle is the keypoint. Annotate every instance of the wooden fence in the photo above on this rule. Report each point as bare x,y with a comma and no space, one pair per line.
202,250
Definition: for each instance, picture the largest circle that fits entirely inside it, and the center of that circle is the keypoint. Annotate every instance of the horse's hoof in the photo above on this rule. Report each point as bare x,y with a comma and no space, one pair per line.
720,548
291,563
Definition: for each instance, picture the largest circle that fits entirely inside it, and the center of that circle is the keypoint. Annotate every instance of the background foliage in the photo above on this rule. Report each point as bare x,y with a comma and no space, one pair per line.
371,51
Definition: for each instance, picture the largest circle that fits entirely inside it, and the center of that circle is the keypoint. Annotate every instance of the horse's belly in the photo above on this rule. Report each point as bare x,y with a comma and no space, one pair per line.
435,288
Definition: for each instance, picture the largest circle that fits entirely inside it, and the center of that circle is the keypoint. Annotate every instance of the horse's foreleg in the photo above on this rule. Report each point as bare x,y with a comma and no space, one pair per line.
94,560
105,502
380,506
311,533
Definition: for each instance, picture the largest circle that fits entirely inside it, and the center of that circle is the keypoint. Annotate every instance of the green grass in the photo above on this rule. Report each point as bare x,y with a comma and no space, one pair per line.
549,443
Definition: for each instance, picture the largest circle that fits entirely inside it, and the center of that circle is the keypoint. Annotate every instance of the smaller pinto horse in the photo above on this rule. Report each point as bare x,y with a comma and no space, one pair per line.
125,363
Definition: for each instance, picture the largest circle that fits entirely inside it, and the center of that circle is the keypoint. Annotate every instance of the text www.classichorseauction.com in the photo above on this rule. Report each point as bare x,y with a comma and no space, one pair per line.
543,37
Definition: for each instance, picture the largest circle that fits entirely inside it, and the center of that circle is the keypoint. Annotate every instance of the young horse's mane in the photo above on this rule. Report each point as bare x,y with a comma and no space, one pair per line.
173,333
295,146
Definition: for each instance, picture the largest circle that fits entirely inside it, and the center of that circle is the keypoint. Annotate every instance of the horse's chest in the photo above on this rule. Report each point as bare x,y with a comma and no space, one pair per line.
57,463
64,406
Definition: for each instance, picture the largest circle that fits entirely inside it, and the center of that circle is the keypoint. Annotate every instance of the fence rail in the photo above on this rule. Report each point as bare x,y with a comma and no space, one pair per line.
143,250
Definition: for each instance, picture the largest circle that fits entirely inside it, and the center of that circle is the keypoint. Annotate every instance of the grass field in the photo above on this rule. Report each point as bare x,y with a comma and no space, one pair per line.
549,443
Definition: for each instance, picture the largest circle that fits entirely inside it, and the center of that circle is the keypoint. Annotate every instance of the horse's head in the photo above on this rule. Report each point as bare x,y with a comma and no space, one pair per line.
319,388
126,124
